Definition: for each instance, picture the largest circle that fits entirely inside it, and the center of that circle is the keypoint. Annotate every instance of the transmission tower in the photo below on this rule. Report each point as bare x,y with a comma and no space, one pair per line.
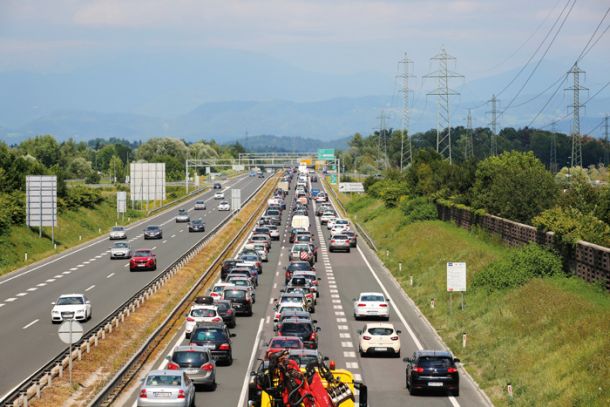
469,145
494,125
406,151
443,114
553,167
383,142
576,159
606,152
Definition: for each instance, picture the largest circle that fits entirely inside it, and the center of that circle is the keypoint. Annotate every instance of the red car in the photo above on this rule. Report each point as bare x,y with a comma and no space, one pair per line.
143,259
280,343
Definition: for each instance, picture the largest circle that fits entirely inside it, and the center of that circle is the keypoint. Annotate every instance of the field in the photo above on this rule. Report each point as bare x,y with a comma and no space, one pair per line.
549,338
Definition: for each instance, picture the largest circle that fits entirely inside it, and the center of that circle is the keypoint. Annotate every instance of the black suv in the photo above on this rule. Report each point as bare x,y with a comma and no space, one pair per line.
153,232
197,225
225,310
302,329
296,266
433,370
240,300
216,337
217,185
226,267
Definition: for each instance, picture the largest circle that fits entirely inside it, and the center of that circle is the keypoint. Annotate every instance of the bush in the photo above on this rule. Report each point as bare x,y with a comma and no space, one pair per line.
571,225
82,196
369,182
388,191
417,209
522,265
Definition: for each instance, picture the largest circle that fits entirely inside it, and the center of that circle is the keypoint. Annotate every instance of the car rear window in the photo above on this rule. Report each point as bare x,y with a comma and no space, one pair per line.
296,328
303,360
298,281
152,228
117,228
142,253
223,306
381,331
207,334
163,380
190,358
285,343
434,361
339,237
235,294
372,298
121,245
203,312
304,266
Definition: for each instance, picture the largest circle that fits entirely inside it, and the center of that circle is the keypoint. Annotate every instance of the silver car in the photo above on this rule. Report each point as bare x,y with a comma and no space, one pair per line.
196,362
339,242
120,250
167,388
118,233
183,216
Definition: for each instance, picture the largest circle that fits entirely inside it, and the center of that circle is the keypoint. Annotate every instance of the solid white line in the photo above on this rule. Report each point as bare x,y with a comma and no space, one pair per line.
90,288
30,324
244,387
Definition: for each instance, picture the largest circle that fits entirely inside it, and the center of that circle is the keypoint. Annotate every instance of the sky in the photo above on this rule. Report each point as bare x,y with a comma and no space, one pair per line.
341,36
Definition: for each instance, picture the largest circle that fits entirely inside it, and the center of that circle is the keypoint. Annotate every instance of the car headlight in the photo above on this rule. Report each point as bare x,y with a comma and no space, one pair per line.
55,312
80,311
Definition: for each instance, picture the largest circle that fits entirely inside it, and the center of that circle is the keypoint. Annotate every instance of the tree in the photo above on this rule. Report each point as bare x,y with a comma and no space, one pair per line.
80,168
44,148
514,185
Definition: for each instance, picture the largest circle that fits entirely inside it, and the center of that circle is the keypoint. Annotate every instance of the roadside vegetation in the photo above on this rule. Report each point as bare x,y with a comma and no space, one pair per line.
528,323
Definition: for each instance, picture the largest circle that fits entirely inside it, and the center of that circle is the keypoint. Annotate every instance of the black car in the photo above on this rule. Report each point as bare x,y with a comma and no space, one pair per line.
353,238
153,232
313,178
226,267
296,266
261,175
433,370
225,310
197,225
215,336
240,300
217,185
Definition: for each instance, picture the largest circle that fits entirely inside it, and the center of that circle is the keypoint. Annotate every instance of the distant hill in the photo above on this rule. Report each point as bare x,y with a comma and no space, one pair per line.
267,143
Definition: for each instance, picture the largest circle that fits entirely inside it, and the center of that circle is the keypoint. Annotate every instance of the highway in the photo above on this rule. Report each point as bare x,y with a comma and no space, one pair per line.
344,276
29,339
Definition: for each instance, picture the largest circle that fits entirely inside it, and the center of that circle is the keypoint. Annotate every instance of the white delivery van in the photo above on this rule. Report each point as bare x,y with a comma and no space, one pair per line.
300,221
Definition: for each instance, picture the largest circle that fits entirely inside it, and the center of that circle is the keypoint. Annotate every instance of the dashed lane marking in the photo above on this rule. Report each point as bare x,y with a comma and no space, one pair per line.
349,354
343,327
66,272
267,319
336,301
90,288
347,345
10,299
50,280
172,236
339,313
126,265
30,324
165,241
342,320
154,248
345,335
274,285
80,266
357,377
351,365
58,276
110,275
337,306
41,284
32,289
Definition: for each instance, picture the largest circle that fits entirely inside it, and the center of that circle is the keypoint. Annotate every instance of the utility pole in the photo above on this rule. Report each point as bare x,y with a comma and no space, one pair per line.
553,167
576,160
494,125
443,114
469,145
406,152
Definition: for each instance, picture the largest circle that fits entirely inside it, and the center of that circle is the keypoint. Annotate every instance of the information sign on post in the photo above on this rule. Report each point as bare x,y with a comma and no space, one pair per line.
147,182
326,154
456,280
333,179
351,187
41,202
235,199
121,202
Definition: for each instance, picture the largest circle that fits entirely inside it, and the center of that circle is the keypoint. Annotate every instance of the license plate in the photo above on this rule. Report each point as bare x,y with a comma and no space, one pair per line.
381,349
141,265
191,371
435,384
162,395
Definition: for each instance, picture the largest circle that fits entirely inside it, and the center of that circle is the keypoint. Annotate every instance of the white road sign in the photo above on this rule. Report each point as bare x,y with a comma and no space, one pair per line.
235,199
456,277
41,200
121,201
351,187
70,332
147,182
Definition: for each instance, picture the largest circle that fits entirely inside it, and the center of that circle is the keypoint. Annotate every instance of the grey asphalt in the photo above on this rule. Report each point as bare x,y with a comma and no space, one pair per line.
346,274
29,339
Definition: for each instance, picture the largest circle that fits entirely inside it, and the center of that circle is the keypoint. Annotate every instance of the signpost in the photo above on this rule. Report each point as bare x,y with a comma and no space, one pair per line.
41,202
456,280
333,179
326,154
121,203
70,332
147,182
235,199
351,187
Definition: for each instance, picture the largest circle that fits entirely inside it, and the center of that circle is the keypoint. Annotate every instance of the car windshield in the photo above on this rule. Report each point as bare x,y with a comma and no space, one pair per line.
191,358
291,299
118,229
340,222
199,203
164,380
142,253
381,331
249,257
300,248
121,245
303,238
152,228
296,328
434,361
372,298
285,343
223,306
182,211
259,237
201,335
299,266
203,312
70,301
235,294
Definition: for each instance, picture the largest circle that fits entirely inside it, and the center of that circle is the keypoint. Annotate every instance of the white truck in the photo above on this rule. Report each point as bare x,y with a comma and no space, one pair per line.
300,221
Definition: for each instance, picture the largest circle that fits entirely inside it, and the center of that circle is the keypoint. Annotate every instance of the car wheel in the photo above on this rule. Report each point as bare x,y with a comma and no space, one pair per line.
155,267
362,353
356,317
233,325
230,361
397,354
349,250
412,391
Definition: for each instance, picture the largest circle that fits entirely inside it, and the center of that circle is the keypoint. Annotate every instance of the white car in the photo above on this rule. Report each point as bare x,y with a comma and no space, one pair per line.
274,232
331,222
117,233
217,290
326,216
321,197
370,305
200,313
219,195
71,306
224,206
261,249
339,226
183,216
379,337
199,205
287,307
120,250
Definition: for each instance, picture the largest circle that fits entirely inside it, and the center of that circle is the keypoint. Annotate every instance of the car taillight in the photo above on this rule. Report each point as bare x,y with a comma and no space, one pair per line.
217,319
332,240
189,319
451,370
181,394
418,369
173,366
394,338
224,346
366,338
312,337
229,312
143,394
383,305
208,367
362,305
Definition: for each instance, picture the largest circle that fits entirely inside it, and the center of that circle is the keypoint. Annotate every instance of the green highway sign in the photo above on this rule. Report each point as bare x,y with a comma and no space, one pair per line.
333,179
327,154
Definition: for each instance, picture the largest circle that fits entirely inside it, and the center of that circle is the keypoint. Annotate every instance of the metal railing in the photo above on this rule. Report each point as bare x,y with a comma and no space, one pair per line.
31,386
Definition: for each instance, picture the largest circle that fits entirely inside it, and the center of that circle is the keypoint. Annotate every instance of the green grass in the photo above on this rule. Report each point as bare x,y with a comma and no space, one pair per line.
549,338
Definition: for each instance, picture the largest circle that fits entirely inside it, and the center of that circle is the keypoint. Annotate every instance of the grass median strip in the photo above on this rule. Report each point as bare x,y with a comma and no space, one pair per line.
92,373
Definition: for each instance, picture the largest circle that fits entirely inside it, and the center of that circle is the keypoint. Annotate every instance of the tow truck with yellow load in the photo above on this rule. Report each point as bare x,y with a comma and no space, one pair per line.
280,382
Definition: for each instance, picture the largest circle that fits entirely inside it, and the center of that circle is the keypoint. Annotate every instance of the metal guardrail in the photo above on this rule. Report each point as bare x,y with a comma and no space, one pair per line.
32,385
369,241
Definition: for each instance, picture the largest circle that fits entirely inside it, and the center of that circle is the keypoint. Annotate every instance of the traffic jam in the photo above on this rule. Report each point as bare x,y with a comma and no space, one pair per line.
289,367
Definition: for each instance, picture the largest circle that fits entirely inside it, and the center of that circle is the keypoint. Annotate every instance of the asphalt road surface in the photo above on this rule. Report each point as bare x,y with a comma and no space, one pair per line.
344,276
29,339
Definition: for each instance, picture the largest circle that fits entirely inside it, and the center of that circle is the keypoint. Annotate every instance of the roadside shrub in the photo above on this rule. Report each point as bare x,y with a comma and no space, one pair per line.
520,266
82,196
572,225
417,209
388,191
369,182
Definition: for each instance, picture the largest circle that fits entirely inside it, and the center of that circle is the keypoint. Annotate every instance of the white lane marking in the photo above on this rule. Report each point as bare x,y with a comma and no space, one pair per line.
334,296
32,289
110,275
267,319
30,324
349,354
50,280
274,285
345,335
41,284
165,241
277,273
334,290
181,230
347,344
351,365
90,288
92,259
58,276
2,305
357,377
336,301
172,236
22,294
342,327
73,269
339,313
154,248
342,320
86,262
387,295
99,256
10,299
80,265
270,300
244,387
66,272
126,265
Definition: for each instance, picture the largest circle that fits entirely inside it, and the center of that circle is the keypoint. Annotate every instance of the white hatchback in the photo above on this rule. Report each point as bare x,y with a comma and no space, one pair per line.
371,305
200,313
379,337
219,195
